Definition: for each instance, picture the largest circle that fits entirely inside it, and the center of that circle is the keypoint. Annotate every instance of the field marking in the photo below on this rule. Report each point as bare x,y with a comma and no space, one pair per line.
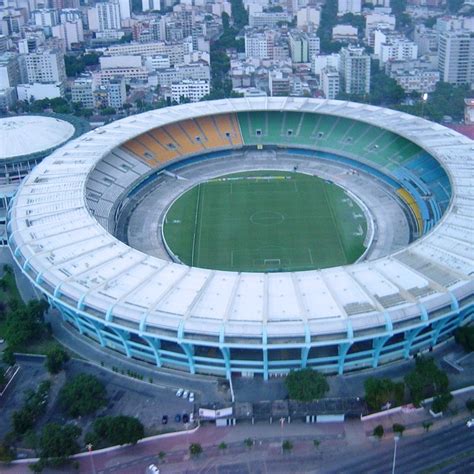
195,223
336,227
201,202
311,256
232,258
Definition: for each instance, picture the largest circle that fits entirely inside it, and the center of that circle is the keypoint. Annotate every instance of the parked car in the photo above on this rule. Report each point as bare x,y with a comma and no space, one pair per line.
177,418
152,469
470,423
191,397
180,392
164,419
185,418
186,394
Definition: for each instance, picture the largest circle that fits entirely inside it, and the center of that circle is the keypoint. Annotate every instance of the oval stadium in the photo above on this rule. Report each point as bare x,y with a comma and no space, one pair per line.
252,237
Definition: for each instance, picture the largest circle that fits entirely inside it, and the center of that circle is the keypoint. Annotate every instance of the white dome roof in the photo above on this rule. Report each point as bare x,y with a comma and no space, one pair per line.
24,135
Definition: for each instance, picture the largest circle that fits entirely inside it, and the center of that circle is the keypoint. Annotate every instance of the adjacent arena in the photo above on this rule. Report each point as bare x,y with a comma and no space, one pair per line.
86,228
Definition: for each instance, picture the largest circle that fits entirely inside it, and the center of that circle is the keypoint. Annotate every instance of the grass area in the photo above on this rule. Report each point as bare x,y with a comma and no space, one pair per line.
265,221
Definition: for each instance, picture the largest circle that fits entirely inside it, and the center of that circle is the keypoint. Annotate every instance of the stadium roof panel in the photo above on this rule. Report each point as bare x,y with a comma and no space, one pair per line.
28,134
62,241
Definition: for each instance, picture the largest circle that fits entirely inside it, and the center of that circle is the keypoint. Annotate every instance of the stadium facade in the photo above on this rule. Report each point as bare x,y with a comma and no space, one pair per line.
63,219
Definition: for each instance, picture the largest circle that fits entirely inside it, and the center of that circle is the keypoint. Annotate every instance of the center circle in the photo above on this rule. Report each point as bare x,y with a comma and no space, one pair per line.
267,218
265,221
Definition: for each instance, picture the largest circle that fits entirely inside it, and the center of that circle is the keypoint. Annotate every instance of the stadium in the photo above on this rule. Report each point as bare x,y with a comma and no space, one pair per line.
250,237
25,141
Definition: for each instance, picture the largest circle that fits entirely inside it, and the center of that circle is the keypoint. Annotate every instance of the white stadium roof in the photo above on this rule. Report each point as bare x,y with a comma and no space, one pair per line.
79,260
27,134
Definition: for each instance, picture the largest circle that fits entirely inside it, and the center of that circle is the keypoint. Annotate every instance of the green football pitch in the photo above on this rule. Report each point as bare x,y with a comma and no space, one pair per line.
264,221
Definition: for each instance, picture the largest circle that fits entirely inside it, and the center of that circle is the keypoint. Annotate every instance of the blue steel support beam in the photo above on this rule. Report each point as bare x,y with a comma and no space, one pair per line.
307,347
409,338
98,331
265,354
188,349
155,346
123,335
378,344
343,349
225,353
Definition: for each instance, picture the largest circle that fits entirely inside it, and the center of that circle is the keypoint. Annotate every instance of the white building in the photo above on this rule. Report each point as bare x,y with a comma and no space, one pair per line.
42,67
71,32
321,61
151,5
348,6
196,72
355,70
390,46
456,57
157,61
116,92
308,18
345,33
82,91
414,76
175,51
9,70
189,89
330,82
125,9
109,62
259,44
270,19
104,16
38,91
46,17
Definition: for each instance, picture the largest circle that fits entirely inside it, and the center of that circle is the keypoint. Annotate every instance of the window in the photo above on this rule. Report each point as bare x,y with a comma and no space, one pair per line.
258,132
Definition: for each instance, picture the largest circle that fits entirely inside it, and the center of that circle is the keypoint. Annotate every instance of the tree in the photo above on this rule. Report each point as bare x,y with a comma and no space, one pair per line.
9,356
248,442
55,359
83,395
470,404
441,402
378,431
58,441
380,391
316,443
119,430
426,379
222,446
427,425
464,336
161,456
6,453
195,449
287,446
398,429
306,385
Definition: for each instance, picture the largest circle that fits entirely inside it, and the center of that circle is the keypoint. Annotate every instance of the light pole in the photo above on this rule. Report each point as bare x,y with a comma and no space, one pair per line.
424,98
89,448
395,439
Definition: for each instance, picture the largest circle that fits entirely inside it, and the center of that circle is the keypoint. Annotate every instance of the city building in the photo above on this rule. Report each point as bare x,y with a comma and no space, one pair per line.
355,70
299,47
9,70
389,46
308,18
82,91
349,6
270,19
345,33
278,83
42,66
40,91
194,90
116,93
330,82
456,57
414,76
104,16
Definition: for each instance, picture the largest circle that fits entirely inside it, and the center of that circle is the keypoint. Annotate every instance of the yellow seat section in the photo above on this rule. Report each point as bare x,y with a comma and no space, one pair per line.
185,145
213,138
411,203
165,140
229,128
193,132
140,151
